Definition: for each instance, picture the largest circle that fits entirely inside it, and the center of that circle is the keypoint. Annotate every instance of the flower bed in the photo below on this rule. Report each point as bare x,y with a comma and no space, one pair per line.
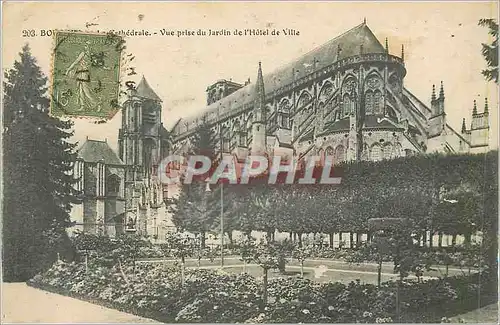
158,292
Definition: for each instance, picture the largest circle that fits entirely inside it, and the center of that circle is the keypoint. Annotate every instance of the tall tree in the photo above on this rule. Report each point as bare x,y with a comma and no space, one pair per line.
195,208
38,179
490,51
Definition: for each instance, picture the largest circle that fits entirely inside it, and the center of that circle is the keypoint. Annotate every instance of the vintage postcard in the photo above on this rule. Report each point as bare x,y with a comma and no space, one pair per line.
250,162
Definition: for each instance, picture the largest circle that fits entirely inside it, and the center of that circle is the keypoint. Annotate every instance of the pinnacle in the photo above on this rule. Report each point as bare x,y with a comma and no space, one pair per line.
441,91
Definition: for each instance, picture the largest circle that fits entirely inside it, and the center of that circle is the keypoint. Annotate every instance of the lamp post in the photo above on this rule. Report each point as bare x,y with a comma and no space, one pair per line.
221,225
221,139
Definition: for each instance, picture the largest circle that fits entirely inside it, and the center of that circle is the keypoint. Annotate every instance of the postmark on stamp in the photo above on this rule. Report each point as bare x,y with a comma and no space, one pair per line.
85,74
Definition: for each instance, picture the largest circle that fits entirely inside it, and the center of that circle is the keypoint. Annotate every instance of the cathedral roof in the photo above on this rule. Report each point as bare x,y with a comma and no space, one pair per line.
94,151
144,90
349,44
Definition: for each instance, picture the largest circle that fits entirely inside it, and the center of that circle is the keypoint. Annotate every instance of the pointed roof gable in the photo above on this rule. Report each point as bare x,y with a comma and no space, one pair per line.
144,90
322,56
93,151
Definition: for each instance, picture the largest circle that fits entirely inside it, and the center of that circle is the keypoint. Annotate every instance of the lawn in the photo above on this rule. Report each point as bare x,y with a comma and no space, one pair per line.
319,274
321,270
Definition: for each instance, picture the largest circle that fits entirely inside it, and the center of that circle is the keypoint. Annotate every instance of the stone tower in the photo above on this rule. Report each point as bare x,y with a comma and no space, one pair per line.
142,144
480,128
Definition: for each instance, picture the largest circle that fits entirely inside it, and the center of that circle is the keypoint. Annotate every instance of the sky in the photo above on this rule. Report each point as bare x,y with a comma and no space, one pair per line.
442,42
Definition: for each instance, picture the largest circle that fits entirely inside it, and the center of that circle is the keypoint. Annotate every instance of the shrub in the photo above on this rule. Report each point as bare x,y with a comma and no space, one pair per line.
215,296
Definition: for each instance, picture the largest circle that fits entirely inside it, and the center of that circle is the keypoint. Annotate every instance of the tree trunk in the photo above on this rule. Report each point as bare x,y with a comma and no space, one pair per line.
424,238
230,236
86,264
282,264
358,239
454,240
467,238
379,270
269,235
183,269
264,287
351,240
398,318
290,236
440,239
369,237
340,239
331,239
202,239
300,239
431,238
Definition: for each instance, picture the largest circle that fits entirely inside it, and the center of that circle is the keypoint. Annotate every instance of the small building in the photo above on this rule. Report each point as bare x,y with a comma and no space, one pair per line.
102,182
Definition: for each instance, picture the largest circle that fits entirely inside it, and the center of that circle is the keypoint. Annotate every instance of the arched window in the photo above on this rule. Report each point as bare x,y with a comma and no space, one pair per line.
237,135
388,151
284,114
322,110
329,154
112,185
377,103
397,150
225,139
339,154
347,105
376,153
369,102
249,129
143,196
155,195
326,91
304,99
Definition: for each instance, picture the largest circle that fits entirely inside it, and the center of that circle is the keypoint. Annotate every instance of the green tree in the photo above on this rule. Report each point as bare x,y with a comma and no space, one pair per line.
266,254
196,207
301,253
38,178
490,51
180,246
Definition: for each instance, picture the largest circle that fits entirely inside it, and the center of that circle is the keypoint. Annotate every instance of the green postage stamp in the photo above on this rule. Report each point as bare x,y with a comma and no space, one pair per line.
86,74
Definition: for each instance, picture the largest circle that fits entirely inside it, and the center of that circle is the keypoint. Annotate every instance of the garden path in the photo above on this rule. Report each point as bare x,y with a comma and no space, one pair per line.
24,304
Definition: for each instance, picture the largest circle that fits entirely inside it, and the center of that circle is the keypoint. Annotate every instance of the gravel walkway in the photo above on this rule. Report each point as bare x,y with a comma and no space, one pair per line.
24,304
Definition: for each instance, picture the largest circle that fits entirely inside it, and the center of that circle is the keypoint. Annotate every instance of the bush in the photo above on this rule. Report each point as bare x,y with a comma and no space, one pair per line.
293,300
218,297
155,291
